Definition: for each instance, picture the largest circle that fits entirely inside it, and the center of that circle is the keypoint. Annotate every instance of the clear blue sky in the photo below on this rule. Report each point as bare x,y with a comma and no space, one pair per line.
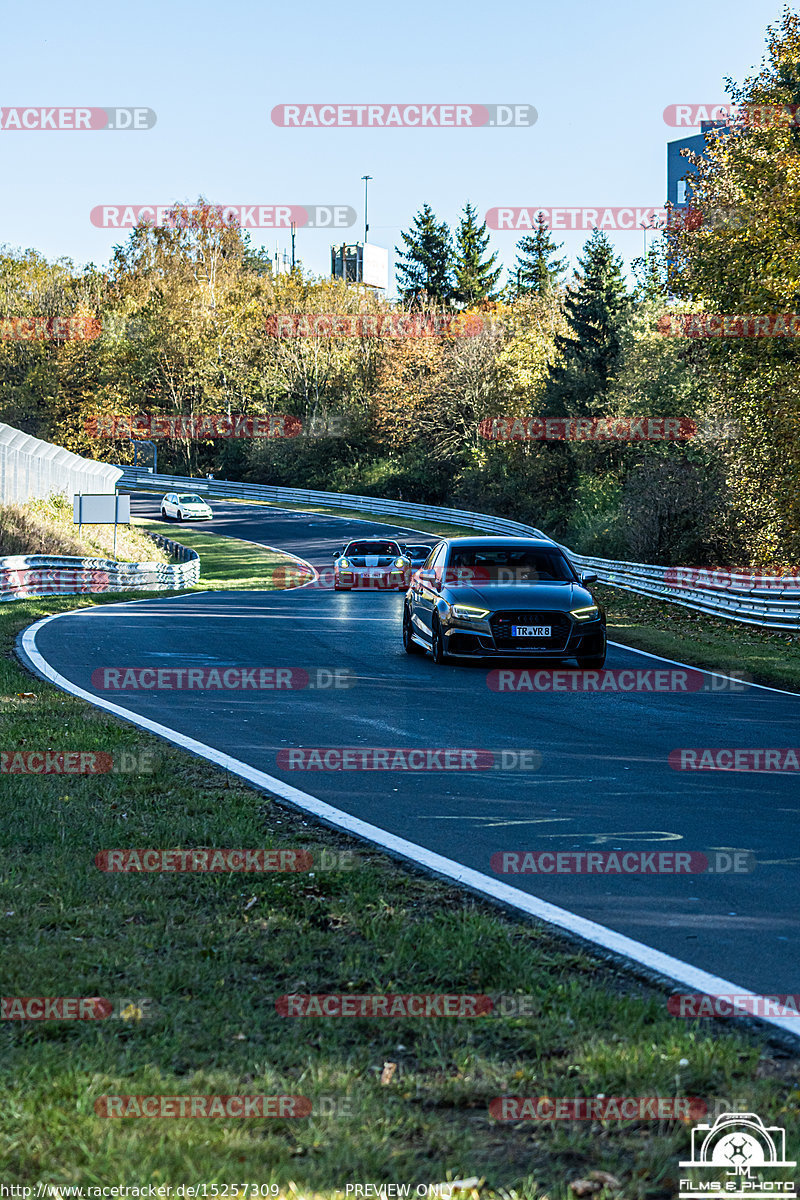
599,75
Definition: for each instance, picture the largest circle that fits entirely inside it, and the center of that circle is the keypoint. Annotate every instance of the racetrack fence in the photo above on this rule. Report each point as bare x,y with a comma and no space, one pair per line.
770,602
31,469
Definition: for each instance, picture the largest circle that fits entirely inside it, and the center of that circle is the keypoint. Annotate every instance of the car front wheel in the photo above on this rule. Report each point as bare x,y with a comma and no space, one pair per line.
164,515
438,652
409,645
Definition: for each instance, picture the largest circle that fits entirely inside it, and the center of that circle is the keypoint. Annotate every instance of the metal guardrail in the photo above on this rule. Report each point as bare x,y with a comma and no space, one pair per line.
24,576
776,605
139,477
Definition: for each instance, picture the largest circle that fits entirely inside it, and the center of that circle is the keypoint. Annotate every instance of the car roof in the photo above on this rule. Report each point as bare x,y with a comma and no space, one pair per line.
542,540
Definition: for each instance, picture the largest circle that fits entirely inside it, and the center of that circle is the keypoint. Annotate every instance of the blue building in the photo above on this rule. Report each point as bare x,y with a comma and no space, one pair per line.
679,170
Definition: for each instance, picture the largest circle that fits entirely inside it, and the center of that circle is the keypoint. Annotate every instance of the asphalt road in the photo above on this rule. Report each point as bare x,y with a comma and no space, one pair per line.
604,783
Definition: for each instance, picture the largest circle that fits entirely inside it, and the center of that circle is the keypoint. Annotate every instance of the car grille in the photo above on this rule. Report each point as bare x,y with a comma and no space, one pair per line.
559,623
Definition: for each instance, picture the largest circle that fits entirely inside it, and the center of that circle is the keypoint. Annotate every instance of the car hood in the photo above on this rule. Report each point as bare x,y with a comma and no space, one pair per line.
560,597
370,560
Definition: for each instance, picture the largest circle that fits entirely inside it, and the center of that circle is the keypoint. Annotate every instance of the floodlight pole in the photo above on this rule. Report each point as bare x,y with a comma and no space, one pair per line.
366,179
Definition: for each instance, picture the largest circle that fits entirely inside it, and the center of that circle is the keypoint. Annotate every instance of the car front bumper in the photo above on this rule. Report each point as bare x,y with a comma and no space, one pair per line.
584,639
371,578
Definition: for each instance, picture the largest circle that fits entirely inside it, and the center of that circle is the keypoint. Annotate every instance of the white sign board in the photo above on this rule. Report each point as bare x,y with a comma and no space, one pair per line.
375,266
101,510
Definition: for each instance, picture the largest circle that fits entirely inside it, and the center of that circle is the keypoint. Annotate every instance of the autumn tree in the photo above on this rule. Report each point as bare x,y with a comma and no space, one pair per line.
742,257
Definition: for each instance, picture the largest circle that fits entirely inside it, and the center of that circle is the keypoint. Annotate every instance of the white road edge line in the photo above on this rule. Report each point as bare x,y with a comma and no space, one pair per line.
561,918
715,674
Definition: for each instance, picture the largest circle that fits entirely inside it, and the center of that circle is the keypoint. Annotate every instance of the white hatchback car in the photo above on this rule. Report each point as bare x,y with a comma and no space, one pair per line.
185,506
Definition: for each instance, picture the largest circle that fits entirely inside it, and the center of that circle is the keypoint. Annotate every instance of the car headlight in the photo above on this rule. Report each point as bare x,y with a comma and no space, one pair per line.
400,562
585,614
343,562
466,612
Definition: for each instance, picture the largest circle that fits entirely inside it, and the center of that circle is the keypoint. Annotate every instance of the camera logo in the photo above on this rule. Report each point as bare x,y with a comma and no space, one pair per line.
740,1143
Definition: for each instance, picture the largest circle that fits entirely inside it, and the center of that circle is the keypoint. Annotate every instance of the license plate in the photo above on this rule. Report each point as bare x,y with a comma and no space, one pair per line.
528,631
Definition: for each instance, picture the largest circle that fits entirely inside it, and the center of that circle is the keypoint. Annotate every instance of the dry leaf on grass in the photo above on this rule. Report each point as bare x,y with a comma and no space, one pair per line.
607,1180
595,1183
387,1073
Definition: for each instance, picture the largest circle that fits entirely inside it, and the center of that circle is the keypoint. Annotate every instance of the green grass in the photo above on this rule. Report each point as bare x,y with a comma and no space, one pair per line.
202,958
213,951
702,641
224,562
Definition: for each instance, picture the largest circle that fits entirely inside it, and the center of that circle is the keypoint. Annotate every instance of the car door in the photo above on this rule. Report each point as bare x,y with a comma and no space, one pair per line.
424,593
169,507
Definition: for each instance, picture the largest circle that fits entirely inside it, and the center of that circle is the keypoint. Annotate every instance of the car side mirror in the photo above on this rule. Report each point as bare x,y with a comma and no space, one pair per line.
588,577
428,576
337,553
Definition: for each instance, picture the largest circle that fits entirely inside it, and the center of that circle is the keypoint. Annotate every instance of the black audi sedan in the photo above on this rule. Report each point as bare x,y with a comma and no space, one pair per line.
503,597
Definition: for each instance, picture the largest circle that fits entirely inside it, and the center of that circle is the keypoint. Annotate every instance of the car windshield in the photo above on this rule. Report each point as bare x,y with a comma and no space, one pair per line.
419,551
508,564
359,548
190,500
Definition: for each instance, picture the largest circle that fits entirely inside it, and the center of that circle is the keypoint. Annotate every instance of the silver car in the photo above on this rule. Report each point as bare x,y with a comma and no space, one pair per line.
371,563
